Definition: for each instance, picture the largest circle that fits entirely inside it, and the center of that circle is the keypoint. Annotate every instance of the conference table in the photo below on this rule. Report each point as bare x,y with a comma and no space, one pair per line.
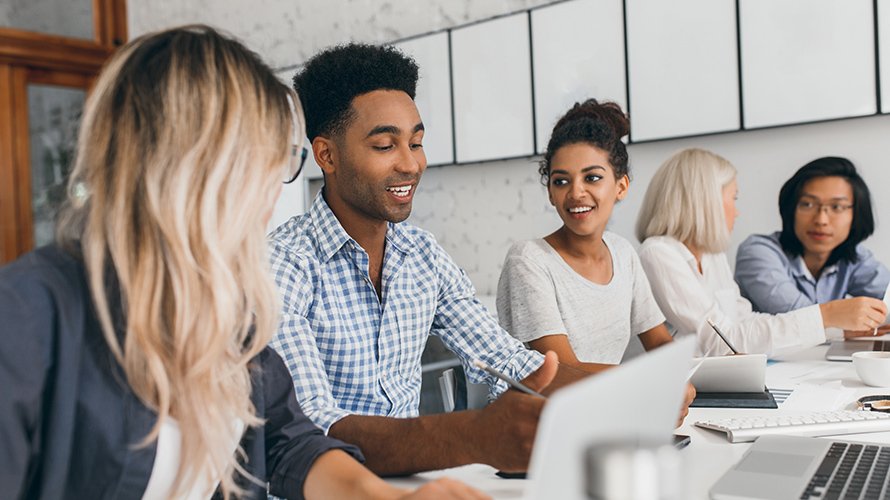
803,382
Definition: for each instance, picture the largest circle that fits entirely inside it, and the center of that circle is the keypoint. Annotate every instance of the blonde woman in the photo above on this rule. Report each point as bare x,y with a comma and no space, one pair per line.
133,360
684,225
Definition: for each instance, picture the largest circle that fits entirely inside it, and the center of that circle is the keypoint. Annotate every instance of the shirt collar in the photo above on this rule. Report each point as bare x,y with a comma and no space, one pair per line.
330,236
800,269
684,251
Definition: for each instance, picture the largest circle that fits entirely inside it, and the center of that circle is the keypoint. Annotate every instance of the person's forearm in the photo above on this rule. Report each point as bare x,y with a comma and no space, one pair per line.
398,446
567,374
335,474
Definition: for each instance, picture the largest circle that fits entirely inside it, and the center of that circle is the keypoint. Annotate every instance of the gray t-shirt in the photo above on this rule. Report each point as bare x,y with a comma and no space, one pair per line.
539,294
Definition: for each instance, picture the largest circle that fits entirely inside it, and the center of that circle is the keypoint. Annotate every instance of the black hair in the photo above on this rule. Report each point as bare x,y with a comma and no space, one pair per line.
601,125
334,77
863,224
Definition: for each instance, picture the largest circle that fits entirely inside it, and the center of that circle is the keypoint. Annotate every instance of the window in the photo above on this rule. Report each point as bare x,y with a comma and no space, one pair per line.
50,54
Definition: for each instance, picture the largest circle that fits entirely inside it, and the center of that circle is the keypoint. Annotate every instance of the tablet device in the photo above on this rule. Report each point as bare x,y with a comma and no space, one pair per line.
741,373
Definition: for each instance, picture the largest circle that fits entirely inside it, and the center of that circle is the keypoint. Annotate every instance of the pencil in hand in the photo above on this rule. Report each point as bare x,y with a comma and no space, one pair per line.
514,383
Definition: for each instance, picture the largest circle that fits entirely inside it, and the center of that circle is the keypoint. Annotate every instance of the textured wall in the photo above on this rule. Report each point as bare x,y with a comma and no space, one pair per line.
287,32
477,211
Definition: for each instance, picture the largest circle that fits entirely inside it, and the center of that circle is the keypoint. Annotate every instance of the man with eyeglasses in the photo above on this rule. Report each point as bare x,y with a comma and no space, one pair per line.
818,257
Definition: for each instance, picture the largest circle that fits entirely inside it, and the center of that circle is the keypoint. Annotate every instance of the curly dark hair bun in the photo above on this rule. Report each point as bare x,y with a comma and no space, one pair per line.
608,112
600,124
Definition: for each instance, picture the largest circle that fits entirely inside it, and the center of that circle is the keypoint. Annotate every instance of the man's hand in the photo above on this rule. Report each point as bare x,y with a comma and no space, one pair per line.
856,314
504,431
690,395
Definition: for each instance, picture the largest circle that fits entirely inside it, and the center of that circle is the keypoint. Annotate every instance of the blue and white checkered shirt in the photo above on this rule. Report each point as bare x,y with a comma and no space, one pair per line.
350,353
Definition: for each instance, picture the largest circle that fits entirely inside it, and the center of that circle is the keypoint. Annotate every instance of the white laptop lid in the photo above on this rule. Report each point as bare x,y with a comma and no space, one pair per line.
638,400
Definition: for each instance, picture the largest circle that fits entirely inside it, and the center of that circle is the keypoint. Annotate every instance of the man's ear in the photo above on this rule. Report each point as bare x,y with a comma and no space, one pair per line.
325,152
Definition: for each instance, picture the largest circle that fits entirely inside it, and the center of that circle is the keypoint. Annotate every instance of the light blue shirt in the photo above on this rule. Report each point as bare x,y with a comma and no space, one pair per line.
350,353
775,282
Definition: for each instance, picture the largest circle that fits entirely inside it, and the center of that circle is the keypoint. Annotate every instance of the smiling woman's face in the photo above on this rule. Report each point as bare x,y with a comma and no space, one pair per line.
583,188
819,230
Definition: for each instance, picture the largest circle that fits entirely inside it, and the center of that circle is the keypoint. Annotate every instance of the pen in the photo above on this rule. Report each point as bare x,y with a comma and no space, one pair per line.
722,336
518,385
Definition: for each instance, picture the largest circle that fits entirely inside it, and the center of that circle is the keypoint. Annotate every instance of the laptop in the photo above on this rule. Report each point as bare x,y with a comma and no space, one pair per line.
842,350
635,402
780,467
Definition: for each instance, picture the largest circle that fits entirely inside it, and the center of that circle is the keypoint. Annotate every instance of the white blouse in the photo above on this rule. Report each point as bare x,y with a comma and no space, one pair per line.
166,465
688,298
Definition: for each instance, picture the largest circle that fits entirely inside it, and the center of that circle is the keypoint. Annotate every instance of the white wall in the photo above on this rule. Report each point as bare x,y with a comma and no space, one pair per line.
477,211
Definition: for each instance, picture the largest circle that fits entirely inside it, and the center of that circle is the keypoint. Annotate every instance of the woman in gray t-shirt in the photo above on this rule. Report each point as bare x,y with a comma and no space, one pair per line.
581,291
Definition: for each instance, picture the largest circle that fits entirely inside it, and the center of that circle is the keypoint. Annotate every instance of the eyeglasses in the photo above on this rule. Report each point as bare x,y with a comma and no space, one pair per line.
812,207
295,165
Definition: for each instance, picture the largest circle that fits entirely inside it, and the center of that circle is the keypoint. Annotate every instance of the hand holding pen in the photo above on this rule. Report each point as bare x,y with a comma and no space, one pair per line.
503,432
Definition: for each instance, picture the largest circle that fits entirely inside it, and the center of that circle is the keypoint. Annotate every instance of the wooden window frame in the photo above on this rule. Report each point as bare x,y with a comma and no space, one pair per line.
37,58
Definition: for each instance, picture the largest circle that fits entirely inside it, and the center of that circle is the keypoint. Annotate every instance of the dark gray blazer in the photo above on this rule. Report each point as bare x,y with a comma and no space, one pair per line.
69,423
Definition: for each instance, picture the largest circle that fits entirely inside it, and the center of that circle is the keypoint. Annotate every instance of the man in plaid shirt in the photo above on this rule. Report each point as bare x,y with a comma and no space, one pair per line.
362,290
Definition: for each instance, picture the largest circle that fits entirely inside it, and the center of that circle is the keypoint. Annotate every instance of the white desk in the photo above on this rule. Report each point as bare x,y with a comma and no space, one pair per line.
818,385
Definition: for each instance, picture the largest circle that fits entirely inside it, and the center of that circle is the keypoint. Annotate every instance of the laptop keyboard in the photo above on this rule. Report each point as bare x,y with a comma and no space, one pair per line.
851,471
823,423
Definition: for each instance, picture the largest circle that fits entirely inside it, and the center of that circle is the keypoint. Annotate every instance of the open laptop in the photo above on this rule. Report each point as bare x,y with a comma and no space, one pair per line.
842,350
780,467
635,402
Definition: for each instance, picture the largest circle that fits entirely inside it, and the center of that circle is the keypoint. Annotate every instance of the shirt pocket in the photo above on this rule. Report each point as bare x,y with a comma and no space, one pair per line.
414,329
413,307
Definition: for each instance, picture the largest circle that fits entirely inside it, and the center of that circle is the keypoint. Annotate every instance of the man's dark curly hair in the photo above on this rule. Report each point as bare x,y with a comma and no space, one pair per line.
334,77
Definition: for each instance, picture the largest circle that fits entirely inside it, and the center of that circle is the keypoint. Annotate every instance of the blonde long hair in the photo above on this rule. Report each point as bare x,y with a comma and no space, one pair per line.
684,200
181,148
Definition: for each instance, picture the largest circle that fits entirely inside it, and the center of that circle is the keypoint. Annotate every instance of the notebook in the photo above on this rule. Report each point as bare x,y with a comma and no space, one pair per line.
637,402
780,467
